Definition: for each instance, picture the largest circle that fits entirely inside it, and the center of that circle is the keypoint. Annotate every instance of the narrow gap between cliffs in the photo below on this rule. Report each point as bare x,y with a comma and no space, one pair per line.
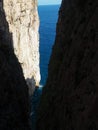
48,15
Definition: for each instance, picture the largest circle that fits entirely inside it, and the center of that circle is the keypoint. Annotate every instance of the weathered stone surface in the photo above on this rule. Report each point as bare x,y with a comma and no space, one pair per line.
22,17
70,97
14,97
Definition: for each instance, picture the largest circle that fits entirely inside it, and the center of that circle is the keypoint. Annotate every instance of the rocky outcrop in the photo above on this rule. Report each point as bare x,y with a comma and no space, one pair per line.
70,97
14,97
22,17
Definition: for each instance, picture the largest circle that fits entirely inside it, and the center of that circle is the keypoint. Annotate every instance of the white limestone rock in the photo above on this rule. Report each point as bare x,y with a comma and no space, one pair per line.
23,20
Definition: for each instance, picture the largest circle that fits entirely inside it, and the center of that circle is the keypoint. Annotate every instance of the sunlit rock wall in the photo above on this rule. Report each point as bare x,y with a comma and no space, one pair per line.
23,20
14,97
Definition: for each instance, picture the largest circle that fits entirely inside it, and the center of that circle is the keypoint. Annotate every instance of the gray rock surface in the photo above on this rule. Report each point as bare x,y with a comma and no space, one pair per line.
70,96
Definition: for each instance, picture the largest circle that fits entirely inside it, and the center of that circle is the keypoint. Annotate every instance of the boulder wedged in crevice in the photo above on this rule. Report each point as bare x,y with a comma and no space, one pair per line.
70,97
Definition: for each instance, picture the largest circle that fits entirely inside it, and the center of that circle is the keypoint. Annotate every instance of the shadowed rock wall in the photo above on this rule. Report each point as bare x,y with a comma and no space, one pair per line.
14,99
70,96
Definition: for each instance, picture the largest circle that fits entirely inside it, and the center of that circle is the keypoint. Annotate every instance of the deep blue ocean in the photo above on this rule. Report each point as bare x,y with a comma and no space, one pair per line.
48,15
48,18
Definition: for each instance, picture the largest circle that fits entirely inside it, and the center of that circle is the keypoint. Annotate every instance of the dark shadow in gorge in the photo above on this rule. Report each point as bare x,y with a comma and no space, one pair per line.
70,97
14,99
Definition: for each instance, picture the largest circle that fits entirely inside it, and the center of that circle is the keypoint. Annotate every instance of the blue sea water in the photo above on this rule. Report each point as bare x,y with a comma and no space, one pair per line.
48,19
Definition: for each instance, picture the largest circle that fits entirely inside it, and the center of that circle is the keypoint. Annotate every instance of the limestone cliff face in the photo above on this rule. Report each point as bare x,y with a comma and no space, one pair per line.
22,17
70,97
14,97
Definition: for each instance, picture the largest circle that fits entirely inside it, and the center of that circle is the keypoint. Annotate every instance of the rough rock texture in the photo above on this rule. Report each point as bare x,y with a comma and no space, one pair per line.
70,97
14,101
22,17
